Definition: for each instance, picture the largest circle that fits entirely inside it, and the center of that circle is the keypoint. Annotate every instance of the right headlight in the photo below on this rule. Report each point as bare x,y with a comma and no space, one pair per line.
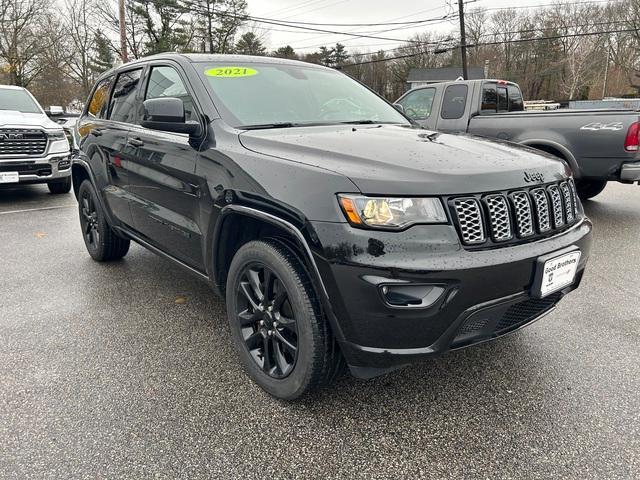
391,212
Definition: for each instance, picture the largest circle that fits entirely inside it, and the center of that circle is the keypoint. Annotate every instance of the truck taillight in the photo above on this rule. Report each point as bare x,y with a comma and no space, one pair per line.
632,141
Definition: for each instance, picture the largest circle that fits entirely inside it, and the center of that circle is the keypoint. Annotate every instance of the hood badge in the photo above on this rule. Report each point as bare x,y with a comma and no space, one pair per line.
531,177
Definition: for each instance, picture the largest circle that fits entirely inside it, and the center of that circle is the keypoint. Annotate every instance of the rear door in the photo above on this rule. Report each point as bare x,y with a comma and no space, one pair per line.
104,142
165,191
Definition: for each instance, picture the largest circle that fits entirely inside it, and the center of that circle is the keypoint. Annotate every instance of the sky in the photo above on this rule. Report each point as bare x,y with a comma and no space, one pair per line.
359,11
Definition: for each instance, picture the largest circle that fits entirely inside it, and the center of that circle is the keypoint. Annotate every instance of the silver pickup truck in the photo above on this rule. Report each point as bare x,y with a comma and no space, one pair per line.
599,145
33,149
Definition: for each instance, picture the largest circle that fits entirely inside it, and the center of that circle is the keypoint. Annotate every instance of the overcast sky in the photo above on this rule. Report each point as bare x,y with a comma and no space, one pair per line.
358,11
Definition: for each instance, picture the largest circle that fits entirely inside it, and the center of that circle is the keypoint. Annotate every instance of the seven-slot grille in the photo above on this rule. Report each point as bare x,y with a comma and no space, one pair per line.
21,141
517,215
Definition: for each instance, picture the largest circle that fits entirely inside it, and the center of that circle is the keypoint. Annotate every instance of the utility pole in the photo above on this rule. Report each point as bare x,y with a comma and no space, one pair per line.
123,33
463,41
606,70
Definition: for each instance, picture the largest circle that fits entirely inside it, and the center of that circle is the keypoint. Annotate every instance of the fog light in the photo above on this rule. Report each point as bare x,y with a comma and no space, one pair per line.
63,164
411,295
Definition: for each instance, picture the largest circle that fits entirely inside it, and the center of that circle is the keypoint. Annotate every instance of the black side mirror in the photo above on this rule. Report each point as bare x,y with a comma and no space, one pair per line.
399,107
167,114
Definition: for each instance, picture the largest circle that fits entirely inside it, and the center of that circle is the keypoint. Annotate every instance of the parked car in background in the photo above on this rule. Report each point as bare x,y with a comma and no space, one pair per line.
336,230
598,145
33,148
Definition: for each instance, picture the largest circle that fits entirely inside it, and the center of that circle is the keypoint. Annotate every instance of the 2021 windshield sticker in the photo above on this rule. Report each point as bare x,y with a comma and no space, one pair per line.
230,72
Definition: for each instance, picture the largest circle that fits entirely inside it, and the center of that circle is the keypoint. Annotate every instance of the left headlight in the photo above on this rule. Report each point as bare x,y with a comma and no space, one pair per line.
391,212
56,135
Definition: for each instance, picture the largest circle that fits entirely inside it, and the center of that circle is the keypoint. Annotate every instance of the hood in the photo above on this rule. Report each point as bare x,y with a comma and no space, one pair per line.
395,160
10,118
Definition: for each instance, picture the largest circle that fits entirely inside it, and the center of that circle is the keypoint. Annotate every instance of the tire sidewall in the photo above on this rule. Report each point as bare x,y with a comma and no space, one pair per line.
298,380
96,252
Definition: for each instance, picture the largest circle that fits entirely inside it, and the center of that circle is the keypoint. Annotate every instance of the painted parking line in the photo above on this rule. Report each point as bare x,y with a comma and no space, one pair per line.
36,209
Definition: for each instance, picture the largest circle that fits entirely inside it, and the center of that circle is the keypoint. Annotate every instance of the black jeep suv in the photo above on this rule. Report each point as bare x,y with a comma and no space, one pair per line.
338,231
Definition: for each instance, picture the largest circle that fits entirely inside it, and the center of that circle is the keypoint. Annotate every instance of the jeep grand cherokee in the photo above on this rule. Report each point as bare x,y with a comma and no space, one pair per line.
339,232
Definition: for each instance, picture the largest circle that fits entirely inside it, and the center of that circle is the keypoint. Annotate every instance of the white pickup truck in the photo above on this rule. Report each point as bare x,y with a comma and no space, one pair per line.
33,149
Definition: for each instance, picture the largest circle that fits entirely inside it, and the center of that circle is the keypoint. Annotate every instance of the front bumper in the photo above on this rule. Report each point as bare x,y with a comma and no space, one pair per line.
376,336
38,170
630,172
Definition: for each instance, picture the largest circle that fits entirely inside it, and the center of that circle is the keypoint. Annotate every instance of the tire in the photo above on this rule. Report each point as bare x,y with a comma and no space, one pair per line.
60,186
102,243
590,188
291,317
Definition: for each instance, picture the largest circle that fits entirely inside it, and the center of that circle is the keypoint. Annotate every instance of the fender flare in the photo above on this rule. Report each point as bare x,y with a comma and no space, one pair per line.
568,156
85,166
308,260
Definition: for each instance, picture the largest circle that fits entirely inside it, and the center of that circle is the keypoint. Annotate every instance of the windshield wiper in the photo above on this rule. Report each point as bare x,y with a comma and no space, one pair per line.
268,125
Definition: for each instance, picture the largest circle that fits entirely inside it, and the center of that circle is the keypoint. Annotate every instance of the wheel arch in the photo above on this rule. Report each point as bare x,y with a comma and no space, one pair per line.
555,149
239,224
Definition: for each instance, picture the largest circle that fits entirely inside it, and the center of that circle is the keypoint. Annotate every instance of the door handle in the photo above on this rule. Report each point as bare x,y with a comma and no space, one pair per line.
135,142
95,132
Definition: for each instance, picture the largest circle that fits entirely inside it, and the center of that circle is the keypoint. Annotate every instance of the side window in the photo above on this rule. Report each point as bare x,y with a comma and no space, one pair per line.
515,99
98,103
454,102
417,105
489,99
503,100
166,82
123,99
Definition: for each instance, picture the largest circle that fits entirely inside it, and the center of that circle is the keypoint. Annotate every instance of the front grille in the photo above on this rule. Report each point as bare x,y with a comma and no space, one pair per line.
493,219
40,169
16,142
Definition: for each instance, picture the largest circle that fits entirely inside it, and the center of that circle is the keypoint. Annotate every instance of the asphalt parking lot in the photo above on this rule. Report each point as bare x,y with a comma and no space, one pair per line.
126,371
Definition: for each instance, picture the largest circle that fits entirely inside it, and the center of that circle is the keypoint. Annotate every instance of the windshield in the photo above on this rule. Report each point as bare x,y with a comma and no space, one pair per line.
18,101
276,95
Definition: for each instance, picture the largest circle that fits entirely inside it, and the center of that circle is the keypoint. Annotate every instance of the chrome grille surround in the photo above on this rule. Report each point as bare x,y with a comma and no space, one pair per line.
499,217
19,142
556,206
469,220
541,202
523,214
568,204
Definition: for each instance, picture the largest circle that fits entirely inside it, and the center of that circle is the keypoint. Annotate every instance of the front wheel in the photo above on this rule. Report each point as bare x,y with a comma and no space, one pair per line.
278,328
102,243
590,188
60,186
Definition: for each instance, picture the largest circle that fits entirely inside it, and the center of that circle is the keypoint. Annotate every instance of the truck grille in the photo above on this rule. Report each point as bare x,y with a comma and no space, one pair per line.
16,142
507,217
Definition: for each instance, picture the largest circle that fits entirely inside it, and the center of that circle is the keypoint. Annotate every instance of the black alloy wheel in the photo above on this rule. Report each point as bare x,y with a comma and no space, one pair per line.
89,220
267,320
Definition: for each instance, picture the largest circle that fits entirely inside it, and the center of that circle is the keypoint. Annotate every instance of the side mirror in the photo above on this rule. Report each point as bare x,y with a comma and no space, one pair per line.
399,107
167,114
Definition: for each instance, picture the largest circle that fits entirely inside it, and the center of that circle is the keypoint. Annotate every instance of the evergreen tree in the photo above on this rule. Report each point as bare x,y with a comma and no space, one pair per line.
286,52
164,25
103,59
250,44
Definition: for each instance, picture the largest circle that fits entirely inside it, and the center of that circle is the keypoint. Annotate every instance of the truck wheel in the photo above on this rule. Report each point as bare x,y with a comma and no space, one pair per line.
589,188
60,186
278,328
102,243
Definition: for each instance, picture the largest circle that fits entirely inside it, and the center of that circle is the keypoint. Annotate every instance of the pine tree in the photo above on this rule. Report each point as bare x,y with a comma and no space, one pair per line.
250,44
103,59
286,52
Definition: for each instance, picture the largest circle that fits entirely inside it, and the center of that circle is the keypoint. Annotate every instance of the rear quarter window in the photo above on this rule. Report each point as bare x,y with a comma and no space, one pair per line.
516,103
454,102
97,106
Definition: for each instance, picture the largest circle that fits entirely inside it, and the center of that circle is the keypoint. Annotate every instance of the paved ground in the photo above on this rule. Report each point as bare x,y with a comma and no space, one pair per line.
104,375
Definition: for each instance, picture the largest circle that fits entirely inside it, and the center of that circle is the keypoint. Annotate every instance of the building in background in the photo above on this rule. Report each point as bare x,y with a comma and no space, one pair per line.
419,77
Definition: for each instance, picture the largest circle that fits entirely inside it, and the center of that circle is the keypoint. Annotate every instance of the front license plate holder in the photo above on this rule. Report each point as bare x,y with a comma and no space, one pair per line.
555,271
9,177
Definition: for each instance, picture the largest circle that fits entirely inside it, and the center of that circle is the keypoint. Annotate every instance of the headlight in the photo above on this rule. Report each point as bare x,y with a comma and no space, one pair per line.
393,213
57,135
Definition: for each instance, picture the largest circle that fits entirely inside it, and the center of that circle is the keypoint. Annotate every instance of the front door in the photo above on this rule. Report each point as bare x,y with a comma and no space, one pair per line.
164,189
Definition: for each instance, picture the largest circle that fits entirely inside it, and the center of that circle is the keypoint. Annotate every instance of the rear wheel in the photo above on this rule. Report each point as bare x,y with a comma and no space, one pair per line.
590,188
279,331
102,243
60,186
